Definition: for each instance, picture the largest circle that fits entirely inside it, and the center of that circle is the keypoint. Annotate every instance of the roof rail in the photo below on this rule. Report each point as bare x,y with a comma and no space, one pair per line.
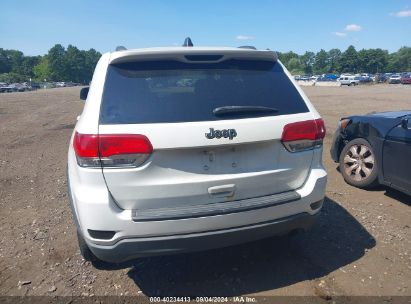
250,47
121,48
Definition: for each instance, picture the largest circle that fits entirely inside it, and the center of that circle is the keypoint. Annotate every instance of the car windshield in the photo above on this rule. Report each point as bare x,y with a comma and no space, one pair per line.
172,91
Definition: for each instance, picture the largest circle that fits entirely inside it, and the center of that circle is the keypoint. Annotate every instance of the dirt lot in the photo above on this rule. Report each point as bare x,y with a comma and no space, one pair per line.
361,245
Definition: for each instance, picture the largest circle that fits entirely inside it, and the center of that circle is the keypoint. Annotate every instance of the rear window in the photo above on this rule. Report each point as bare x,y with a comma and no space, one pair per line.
173,91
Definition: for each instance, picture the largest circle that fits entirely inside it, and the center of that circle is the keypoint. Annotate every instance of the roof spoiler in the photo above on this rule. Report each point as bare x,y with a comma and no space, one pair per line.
190,55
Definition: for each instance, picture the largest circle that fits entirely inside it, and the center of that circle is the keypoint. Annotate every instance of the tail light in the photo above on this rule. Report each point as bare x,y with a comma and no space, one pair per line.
111,150
343,123
303,135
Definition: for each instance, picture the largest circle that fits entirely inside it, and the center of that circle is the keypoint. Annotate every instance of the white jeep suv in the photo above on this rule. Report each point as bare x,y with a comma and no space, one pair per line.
191,148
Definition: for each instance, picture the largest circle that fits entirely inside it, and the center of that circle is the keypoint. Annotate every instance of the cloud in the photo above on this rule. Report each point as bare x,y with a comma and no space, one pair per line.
339,34
402,14
353,28
244,37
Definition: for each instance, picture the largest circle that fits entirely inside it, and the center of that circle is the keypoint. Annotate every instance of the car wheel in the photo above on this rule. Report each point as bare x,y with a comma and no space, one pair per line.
84,250
358,164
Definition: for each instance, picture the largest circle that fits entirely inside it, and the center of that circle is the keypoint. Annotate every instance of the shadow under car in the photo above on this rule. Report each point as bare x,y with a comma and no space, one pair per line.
336,240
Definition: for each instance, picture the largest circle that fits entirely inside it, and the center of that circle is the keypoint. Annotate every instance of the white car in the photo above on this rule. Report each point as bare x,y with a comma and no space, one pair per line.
395,78
156,167
349,80
60,84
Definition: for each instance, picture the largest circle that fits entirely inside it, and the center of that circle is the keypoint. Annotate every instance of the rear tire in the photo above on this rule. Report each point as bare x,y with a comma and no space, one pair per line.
358,164
84,249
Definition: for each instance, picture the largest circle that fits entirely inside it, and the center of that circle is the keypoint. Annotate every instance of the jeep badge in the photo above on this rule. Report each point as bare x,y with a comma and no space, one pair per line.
226,133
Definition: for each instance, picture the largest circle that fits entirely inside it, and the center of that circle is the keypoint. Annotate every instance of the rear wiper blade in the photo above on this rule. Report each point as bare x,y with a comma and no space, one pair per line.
228,110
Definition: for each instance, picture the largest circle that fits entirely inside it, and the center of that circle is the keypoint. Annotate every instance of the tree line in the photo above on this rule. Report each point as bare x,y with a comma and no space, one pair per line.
72,64
350,61
59,64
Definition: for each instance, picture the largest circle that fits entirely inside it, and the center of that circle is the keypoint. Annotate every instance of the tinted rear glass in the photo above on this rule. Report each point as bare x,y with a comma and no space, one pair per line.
172,91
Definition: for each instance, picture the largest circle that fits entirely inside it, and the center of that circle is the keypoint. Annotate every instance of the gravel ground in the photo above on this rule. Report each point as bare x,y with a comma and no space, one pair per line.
360,246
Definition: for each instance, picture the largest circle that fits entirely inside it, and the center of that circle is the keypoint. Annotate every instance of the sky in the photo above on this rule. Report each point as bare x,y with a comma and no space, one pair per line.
35,26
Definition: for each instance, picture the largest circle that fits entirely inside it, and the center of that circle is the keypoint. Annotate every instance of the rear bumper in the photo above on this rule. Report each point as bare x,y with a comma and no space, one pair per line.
94,209
128,249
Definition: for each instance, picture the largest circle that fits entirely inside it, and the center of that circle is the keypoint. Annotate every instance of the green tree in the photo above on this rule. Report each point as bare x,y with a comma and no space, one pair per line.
363,58
42,70
378,61
307,61
16,61
91,58
400,61
12,77
57,63
294,66
285,57
372,60
28,64
291,61
17,66
75,64
5,63
334,57
349,60
321,62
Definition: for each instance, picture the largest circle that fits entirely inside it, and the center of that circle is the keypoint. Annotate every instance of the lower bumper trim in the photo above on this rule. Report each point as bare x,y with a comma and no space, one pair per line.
128,249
